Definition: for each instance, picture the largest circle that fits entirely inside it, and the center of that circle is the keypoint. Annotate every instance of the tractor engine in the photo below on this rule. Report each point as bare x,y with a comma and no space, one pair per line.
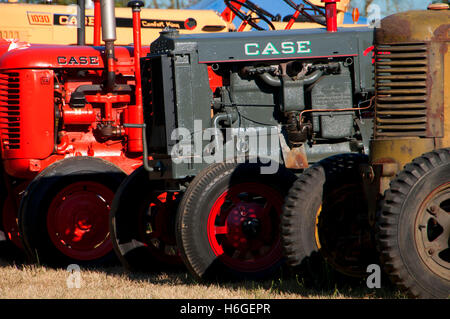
55,106
306,83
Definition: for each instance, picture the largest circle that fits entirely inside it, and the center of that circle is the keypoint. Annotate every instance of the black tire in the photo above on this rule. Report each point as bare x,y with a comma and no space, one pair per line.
70,179
406,226
140,241
8,248
325,205
11,246
207,197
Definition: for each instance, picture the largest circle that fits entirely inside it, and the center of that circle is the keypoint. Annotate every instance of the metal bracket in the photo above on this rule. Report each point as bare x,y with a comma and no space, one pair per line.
144,142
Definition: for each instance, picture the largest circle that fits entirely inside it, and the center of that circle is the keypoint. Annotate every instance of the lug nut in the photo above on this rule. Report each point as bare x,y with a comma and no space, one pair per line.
432,210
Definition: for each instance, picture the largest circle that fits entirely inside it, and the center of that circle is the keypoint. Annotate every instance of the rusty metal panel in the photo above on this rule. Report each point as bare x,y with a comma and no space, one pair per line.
435,81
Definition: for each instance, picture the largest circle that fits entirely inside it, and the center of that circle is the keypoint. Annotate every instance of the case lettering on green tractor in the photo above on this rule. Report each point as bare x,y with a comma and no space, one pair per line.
288,47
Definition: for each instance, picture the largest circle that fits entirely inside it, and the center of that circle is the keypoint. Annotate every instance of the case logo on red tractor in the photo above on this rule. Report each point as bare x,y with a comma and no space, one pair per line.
78,60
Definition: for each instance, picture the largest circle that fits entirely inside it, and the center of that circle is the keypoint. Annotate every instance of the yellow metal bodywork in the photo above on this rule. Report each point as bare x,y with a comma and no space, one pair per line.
56,24
389,155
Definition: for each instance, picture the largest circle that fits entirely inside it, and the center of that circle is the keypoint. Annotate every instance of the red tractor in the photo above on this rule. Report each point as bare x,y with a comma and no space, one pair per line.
64,141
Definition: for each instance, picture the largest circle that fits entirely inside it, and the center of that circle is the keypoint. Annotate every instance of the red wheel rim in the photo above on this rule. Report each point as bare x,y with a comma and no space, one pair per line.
243,227
157,229
78,220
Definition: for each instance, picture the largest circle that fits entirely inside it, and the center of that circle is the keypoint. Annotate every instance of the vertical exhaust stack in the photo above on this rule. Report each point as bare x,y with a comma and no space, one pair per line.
136,112
331,14
97,22
109,36
81,31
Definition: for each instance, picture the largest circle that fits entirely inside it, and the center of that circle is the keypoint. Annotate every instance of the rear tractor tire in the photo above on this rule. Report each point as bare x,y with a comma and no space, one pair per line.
228,222
143,224
64,214
325,221
413,227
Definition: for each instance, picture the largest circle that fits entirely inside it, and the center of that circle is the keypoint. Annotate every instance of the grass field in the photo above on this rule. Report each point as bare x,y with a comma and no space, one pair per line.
21,280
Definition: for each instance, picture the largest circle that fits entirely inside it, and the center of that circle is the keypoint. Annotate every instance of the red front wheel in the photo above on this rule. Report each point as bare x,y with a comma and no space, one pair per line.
228,221
78,220
64,214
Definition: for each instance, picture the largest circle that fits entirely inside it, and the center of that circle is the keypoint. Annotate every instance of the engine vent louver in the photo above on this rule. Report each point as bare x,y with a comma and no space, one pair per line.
10,110
401,84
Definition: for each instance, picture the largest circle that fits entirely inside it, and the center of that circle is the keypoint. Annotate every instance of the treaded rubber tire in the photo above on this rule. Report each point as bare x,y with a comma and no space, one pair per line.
302,204
130,199
194,210
38,196
8,248
396,225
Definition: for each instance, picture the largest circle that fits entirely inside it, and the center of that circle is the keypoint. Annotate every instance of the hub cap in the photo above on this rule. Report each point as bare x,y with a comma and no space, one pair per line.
78,220
433,231
243,227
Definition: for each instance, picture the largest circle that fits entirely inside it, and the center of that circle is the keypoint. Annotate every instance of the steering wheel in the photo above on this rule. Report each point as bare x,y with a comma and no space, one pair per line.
300,8
249,18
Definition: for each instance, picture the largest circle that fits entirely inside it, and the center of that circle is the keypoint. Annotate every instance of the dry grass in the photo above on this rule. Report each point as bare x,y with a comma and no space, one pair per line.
20,280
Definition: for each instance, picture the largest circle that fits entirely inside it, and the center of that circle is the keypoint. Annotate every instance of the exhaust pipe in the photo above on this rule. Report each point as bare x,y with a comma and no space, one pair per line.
109,36
331,14
97,23
136,112
81,33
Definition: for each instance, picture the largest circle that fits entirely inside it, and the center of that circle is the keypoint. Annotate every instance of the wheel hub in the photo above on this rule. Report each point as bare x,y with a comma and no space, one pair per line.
78,220
433,231
243,226
251,227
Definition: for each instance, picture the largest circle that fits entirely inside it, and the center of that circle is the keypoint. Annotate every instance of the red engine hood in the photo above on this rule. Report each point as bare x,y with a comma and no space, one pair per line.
37,56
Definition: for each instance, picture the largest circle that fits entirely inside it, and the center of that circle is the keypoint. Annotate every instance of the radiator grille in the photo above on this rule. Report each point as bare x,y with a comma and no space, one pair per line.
401,83
10,110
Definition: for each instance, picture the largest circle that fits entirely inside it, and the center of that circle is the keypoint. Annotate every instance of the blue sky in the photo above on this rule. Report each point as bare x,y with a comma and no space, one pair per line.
391,6
386,6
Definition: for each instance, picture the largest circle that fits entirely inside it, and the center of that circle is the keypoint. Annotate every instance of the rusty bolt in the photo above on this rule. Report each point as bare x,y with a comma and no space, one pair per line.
431,251
432,210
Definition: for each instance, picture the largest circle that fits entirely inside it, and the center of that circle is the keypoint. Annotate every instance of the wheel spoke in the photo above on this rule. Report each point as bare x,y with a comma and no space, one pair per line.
442,217
221,230
439,244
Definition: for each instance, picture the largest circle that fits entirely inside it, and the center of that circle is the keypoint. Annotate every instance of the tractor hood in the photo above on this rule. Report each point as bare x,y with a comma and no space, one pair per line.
267,45
41,56
408,27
